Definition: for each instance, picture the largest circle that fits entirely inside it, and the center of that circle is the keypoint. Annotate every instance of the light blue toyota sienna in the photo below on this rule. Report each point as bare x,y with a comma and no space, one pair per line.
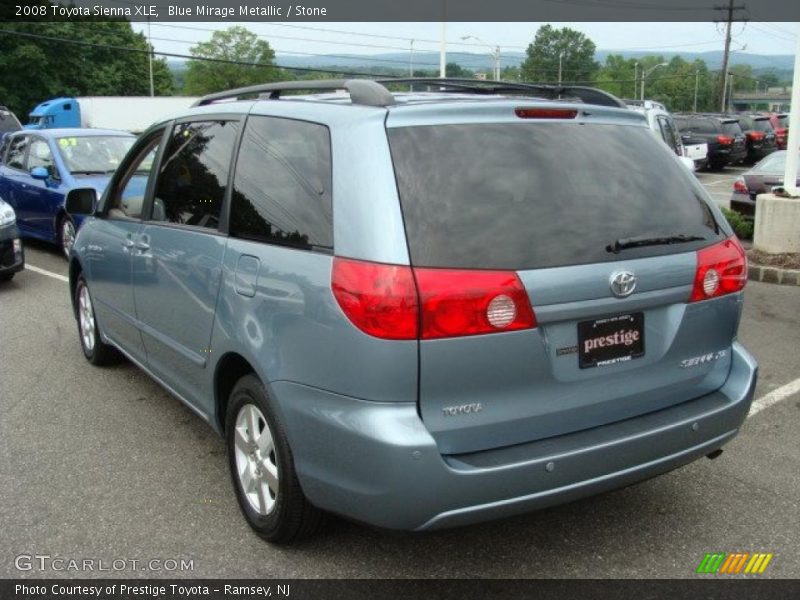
420,309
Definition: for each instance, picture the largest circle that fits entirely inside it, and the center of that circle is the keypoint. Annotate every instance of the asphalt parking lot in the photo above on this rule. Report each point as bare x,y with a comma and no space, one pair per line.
720,183
103,464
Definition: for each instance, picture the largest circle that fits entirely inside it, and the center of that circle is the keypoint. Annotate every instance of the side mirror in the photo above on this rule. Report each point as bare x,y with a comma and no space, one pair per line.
81,201
40,173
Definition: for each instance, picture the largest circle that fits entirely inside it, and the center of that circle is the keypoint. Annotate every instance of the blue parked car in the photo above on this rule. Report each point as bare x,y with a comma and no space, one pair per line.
420,310
38,170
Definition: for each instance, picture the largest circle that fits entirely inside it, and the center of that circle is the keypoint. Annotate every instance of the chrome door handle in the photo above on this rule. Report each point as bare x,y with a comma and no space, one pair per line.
142,246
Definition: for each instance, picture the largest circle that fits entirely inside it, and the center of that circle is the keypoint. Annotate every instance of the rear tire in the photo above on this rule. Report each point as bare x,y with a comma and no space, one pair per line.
66,235
262,468
94,349
7,277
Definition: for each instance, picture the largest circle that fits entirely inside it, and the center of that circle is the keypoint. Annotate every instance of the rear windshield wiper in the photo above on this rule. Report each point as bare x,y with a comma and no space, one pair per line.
625,243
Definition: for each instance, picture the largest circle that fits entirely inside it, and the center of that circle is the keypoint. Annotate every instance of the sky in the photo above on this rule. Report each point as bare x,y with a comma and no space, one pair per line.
376,38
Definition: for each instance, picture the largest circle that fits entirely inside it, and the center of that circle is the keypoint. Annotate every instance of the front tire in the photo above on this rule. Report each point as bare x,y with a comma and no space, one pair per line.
262,468
94,349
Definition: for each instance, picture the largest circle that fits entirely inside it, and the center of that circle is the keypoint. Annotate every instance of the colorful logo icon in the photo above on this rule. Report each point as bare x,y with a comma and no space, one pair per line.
734,563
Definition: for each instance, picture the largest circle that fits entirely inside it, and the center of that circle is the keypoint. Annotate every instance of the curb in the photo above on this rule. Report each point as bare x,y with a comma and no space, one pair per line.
773,275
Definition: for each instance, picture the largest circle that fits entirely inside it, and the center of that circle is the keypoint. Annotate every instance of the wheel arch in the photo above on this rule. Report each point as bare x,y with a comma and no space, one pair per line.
230,368
75,270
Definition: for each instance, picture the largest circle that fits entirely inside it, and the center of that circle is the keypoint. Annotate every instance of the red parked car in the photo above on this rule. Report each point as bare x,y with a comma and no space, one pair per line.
780,122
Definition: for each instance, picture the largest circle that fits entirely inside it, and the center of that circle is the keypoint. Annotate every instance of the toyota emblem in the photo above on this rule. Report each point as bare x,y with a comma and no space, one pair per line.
623,283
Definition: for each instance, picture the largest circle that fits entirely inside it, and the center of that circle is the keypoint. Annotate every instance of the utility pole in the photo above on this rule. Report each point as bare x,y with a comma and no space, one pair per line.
696,81
729,20
560,57
150,58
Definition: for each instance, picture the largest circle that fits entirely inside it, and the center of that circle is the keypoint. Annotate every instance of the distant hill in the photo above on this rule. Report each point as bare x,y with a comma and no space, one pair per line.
483,62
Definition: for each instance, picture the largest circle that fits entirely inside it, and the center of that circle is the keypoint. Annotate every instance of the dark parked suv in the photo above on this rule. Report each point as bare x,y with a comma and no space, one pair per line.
420,310
726,141
760,136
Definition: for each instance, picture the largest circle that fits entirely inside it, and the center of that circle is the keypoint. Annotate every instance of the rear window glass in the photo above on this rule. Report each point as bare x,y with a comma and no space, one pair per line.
774,163
783,120
8,122
704,126
762,125
732,128
524,196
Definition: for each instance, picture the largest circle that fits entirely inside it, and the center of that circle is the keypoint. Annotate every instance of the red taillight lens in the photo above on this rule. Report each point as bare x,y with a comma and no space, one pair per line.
756,136
385,301
545,113
457,303
740,186
721,269
379,299
725,140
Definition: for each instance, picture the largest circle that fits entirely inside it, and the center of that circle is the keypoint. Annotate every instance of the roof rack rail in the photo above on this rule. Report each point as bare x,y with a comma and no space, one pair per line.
362,91
589,95
372,92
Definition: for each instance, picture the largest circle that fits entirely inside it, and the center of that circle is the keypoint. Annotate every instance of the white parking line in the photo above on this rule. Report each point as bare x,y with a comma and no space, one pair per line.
774,396
35,269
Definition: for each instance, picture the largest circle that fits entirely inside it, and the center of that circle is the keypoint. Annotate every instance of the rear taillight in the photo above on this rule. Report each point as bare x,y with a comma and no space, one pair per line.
400,303
379,299
725,140
756,136
740,186
721,269
457,303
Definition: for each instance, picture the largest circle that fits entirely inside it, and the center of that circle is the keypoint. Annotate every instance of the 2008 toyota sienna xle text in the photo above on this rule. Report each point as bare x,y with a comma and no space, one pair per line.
420,309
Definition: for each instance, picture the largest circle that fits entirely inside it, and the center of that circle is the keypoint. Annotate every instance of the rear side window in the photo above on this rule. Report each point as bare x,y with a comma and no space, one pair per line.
194,173
533,195
282,185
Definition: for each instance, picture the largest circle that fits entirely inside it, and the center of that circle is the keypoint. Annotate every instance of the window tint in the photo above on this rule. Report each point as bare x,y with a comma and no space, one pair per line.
282,186
732,128
194,173
128,199
16,152
704,126
8,122
40,155
539,194
762,125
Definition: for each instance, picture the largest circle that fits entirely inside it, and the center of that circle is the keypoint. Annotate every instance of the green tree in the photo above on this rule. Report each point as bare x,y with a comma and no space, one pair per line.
235,44
573,47
617,76
38,68
456,70
743,79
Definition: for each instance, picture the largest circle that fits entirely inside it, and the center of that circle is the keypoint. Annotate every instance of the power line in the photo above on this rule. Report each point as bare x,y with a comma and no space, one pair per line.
177,55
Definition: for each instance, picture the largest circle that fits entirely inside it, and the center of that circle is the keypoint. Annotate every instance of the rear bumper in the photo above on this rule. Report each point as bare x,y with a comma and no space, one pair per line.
744,205
11,261
376,462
